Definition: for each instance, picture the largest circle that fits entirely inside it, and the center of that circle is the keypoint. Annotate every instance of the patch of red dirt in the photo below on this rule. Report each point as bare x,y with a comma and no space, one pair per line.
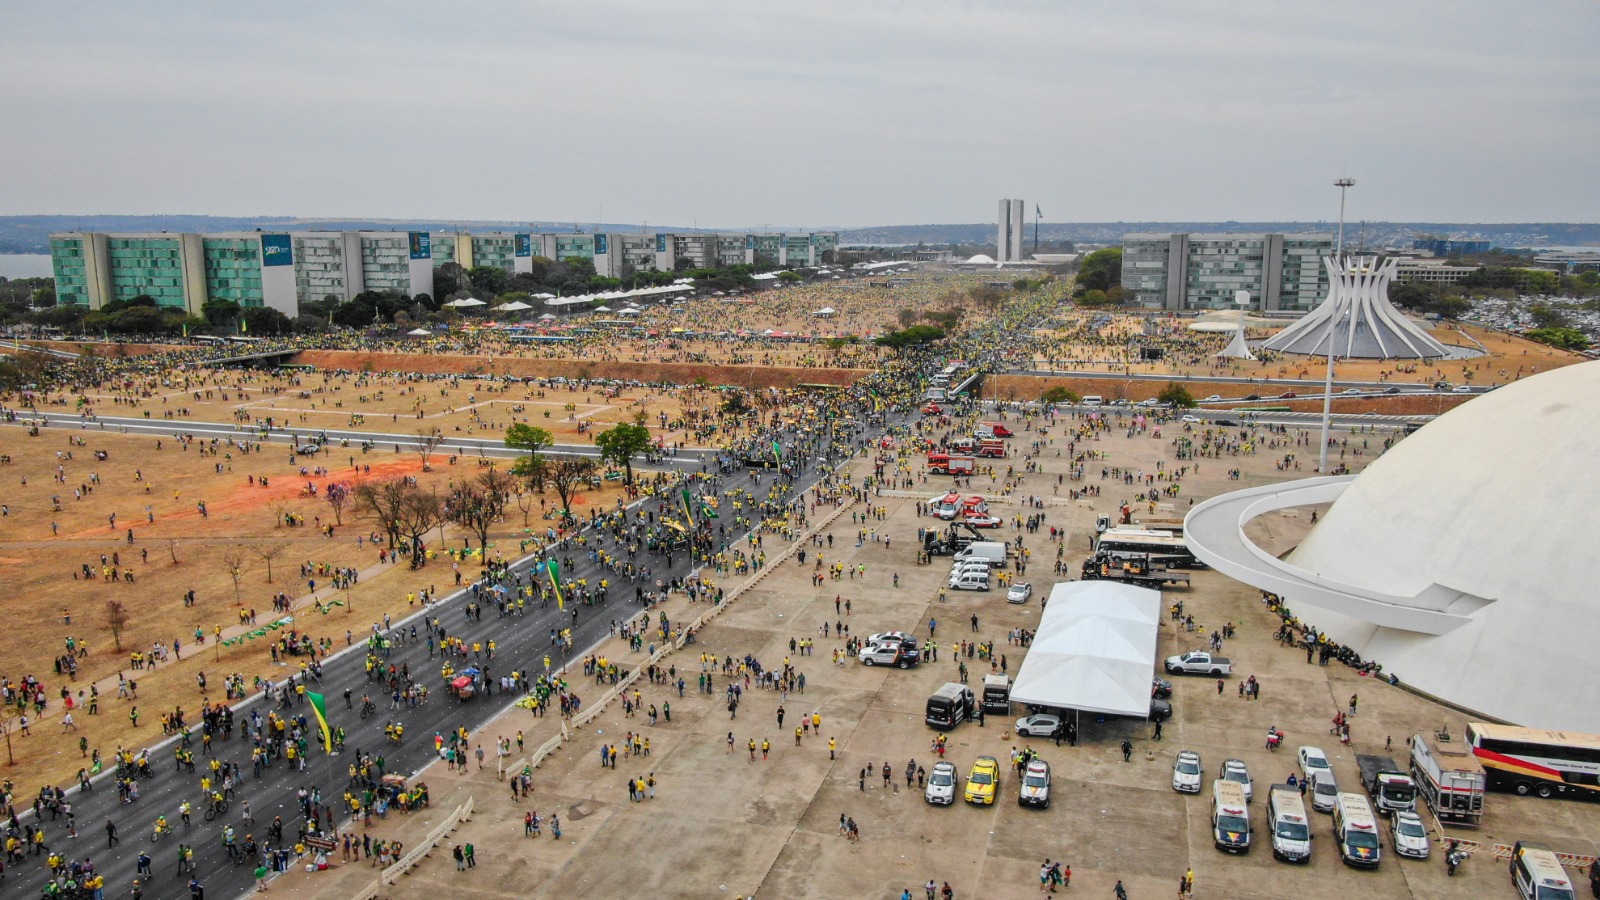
677,373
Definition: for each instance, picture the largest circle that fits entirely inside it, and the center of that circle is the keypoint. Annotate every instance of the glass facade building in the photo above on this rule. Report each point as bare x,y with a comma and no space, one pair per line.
233,270
1203,271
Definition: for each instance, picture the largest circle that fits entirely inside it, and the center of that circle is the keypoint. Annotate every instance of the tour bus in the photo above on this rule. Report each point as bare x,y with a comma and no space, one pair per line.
1291,830
1534,761
1356,831
1536,873
1156,547
1230,817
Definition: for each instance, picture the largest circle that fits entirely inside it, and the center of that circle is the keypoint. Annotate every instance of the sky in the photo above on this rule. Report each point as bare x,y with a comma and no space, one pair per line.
823,113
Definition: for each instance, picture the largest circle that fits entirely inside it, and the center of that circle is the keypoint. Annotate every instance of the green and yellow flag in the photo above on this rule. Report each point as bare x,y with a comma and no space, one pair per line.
688,507
554,569
321,711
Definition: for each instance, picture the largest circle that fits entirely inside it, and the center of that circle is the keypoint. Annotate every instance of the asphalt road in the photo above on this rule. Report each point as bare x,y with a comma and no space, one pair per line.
522,644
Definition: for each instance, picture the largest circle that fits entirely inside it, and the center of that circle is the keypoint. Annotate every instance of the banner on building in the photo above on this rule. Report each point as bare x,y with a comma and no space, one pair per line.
524,245
661,243
600,245
421,245
277,250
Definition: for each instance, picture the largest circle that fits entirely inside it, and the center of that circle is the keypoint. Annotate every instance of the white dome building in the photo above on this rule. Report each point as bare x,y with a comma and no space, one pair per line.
1457,560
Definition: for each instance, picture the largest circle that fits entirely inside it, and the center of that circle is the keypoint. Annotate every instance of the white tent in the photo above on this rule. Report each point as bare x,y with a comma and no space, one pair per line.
513,306
824,313
545,296
465,302
1095,650
546,317
630,311
420,332
602,309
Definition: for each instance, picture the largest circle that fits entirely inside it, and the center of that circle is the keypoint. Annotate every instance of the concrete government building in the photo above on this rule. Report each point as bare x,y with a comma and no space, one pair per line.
1202,271
280,270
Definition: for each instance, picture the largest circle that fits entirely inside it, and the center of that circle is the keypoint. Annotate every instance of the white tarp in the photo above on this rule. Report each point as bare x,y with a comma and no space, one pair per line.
1095,650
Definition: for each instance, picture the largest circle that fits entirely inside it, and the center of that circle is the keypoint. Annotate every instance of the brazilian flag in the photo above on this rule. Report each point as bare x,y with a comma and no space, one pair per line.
320,708
777,452
688,507
554,568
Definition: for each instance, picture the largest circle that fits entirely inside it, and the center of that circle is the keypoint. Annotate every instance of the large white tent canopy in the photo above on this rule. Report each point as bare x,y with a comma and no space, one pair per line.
1095,650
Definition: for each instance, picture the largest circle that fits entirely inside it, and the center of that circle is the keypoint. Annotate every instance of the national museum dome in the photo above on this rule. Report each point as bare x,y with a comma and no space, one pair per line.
1496,505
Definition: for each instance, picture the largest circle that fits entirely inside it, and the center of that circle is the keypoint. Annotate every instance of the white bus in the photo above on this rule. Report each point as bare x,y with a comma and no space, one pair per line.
1156,547
1534,761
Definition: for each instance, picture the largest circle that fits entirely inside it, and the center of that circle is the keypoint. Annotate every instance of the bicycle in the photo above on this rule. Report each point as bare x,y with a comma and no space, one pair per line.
216,808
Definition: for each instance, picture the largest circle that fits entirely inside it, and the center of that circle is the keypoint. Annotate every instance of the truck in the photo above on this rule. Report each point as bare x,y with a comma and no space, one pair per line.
1199,662
953,539
992,430
946,464
997,695
993,551
1449,777
993,448
1391,789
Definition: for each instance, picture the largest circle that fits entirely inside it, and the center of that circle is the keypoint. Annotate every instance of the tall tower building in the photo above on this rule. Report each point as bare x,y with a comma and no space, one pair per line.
1008,243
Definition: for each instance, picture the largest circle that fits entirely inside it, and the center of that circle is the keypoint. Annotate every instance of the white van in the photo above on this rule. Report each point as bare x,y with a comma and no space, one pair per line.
1093,400
1230,817
970,581
968,567
1356,830
1291,830
1536,873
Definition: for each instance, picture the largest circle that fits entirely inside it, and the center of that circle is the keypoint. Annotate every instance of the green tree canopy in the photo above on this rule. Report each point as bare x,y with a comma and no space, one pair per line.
914,336
619,444
1100,270
1560,336
219,312
1177,396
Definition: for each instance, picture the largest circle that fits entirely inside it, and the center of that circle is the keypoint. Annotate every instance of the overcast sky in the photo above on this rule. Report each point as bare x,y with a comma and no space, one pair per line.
816,113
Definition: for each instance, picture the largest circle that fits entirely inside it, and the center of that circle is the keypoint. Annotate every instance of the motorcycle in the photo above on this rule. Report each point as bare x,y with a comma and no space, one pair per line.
1455,857
1274,738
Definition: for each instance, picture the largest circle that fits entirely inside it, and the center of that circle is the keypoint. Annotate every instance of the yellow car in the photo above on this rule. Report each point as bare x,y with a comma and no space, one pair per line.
982,780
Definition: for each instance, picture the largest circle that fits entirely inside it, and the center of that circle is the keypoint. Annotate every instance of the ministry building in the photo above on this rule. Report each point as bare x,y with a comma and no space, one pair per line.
1202,271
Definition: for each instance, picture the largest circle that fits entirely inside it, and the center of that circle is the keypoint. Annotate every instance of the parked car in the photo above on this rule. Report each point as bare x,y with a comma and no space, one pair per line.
1020,592
1409,835
1227,423
1160,710
982,781
941,788
1186,772
1160,688
983,520
1314,762
1037,725
1035,790
1236,770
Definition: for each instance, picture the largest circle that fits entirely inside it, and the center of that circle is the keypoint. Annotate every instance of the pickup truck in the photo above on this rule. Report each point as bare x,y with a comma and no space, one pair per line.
1199,662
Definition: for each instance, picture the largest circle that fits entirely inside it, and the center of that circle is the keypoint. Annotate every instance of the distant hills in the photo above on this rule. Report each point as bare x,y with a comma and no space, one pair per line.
30,234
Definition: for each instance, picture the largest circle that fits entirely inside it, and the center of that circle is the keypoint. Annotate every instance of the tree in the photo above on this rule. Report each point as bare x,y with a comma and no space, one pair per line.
265,320
269,553
426,442
234,561
567,474
1059,394
1100,270
1561,337
1176,396
338,495
116,621
1545,316
476,506
915,336
384,499
621,443
450,278
419,512
1096,299
528,438
490,281
219,312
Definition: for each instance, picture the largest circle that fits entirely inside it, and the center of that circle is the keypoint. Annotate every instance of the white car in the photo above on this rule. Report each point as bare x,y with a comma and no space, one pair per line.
1214,398
1035,790
1314,763
1410,836
882,636
1461,389
941,784
1186,772
1038,725
1193,420
983,520
1021,592
1236,770
1352,390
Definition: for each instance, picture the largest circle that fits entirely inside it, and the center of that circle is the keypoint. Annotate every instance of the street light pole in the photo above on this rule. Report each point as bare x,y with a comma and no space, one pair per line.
1327,399
1342,184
